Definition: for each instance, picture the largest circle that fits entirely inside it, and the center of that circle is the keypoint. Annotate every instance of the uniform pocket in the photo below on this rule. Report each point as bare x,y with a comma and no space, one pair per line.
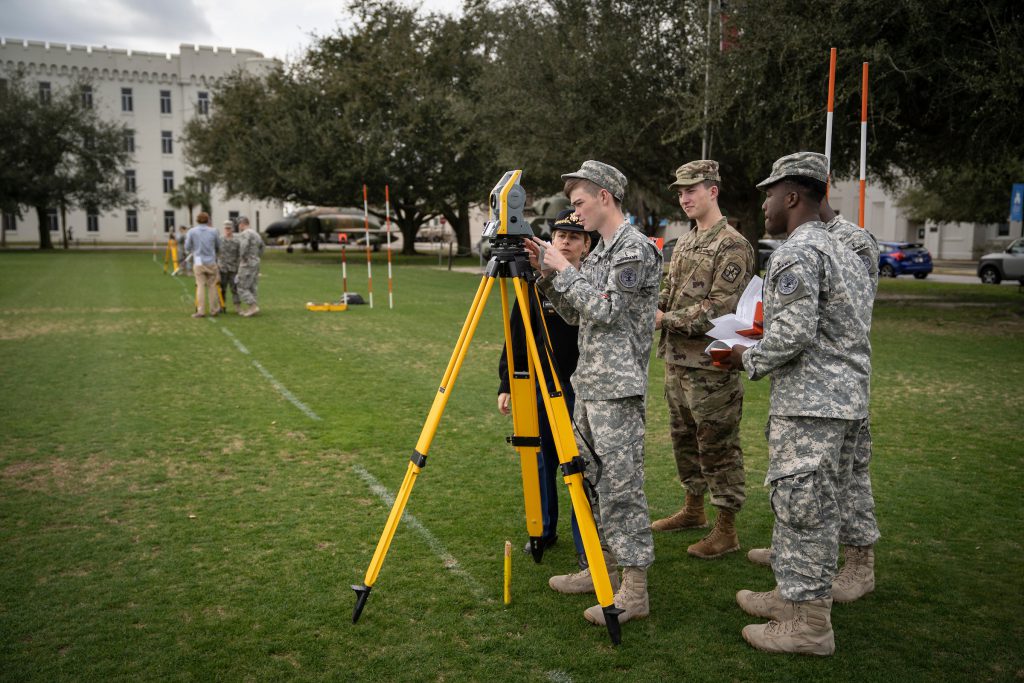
795,501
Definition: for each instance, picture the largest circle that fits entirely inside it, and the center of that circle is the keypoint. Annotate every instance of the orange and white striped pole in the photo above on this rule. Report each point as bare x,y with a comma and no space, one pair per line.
863,142
366,236
830,114
387,222
343,238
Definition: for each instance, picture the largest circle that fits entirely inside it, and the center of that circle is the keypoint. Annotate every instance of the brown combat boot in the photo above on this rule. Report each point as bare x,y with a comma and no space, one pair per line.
857,577
582,581
722,539
760,556
808,631
631,598
690,517
769,605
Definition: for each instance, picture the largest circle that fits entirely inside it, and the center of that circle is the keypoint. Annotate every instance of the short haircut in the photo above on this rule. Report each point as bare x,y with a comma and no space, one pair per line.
203,217
713,183
591,188
813,190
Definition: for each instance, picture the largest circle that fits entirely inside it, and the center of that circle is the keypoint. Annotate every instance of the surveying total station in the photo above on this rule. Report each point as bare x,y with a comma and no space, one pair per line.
510,262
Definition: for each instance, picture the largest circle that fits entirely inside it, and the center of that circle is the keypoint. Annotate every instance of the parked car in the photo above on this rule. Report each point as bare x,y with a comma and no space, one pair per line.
764,251
1003,265
903,258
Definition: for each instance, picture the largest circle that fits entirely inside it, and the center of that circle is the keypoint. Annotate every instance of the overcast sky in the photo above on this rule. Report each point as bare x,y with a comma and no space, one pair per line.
277,28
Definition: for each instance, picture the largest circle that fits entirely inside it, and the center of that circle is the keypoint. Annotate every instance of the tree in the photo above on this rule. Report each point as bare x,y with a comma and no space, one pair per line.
58,155
190,193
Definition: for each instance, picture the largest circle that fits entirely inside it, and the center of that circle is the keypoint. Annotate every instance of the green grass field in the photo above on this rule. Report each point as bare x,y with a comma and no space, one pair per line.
167,512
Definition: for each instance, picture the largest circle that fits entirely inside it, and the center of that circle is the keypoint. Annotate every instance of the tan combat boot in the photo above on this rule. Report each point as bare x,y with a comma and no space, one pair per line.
631,598
761,556
690,517
857,577
769,605
582,581
722,539
808,631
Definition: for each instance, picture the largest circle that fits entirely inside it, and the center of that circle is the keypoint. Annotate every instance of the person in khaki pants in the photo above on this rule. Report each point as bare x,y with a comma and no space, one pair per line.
203,243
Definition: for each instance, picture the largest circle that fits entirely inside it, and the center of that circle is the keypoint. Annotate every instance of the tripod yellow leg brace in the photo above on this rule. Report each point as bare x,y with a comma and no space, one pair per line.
510,261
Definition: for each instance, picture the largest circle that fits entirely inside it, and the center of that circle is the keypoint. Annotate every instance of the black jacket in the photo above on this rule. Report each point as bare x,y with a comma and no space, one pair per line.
563,338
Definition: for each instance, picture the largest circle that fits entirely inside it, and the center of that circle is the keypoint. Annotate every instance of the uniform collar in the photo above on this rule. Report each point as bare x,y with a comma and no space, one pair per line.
706,236
608,244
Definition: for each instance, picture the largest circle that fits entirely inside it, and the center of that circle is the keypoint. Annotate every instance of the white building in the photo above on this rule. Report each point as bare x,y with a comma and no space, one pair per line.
154,95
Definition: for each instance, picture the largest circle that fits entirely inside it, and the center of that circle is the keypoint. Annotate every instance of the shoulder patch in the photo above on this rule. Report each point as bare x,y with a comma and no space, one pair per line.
731,272
788,283
628,277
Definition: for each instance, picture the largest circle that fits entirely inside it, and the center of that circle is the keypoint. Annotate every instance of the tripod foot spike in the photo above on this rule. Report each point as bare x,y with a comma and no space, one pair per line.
536,549
611,619
362,592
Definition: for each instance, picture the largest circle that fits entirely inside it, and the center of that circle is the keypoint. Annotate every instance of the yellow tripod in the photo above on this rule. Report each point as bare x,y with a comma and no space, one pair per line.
510,262
171,256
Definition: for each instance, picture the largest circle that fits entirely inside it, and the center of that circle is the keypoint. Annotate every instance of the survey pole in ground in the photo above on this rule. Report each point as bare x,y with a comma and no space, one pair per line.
863,142
366,236
343,240
830,113
387,223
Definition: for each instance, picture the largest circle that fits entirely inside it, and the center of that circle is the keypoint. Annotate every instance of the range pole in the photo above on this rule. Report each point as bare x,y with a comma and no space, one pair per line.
830,115
387,222
863,142
366,236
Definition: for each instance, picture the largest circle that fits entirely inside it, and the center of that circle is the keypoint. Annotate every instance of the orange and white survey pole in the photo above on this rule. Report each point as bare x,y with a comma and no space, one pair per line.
366,236
830,114
343,240
387,222
863,143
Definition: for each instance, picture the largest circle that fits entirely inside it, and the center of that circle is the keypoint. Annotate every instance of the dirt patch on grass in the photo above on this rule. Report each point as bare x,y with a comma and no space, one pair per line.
62,475
26,329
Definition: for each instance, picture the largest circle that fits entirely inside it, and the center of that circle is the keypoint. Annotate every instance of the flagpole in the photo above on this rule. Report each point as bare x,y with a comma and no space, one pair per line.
863,142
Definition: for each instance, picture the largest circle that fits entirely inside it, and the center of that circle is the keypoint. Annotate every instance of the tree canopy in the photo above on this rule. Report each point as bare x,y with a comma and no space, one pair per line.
438,107
58,154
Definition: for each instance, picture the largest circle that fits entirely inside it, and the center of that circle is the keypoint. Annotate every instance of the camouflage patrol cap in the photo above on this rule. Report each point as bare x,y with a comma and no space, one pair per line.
696,172
568,220
602,175
806,164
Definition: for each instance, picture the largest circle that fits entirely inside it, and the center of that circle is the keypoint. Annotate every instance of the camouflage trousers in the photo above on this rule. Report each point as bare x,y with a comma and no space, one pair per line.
858,506
248,281
809,465
704,408
615,429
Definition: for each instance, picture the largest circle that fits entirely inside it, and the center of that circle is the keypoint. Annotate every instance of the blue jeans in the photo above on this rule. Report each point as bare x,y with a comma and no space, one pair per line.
548,471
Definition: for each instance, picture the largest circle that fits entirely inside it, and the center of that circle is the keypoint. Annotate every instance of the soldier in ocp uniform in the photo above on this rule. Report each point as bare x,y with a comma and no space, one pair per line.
817,295
711,266
250,250
859,531
612,297
227,264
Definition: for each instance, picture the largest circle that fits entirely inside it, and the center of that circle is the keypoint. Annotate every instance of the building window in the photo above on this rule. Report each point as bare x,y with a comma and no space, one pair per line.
87,97
165,101
126,100
51,220
129,140
203,105
44,92
1004,229
92,221
131,220
169,221
204,186
129,181
10,222
166,142
168,181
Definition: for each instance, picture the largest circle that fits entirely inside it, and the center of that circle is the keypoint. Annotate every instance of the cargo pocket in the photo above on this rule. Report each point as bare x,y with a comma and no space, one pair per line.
795,501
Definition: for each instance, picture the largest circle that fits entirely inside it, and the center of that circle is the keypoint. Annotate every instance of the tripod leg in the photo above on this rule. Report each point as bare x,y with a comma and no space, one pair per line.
572,470
419,457
526,432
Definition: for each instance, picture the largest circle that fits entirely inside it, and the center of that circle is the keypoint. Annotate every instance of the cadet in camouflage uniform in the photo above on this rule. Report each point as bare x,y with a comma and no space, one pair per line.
859,531
227,264
817,295
711,266
250,249
612,297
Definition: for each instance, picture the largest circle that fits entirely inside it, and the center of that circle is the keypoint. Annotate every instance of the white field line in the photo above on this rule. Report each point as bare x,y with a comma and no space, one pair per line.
447,559
281,389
